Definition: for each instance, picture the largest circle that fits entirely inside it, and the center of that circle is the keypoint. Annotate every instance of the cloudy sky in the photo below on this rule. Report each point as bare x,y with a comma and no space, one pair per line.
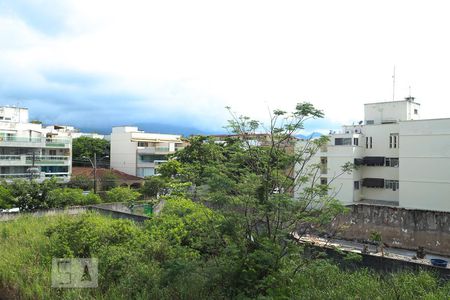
97,63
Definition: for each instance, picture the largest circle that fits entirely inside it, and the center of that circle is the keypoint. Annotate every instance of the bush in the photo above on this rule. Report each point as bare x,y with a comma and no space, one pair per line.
122,194
81,182
6,198
108,181
68,197
153,186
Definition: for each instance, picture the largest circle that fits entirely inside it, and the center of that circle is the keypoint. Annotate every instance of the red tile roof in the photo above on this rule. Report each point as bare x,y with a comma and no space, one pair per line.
89,172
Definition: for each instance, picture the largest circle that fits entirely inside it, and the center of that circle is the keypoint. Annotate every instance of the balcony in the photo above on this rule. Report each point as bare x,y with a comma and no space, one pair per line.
48,160
18,141
40,142
62,177
57,142
25,160
153,150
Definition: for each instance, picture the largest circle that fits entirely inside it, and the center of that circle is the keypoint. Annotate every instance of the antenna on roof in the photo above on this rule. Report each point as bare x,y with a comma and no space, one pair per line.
393,85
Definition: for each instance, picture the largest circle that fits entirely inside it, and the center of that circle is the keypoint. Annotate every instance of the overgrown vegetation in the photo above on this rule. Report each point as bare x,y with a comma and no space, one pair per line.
178,255
228,229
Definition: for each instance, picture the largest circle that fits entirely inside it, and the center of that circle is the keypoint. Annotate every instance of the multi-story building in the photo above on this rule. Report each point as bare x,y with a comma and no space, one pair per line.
139,153
400,159
30,150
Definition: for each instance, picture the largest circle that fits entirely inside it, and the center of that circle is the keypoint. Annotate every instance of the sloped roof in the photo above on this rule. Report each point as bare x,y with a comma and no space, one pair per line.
89,172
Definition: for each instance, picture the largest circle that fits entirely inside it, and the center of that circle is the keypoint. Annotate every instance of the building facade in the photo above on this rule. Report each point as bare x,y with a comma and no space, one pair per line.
30,150
139,153
400,159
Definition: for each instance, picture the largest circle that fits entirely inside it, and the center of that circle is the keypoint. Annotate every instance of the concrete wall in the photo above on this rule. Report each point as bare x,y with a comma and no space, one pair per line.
123,151
425,164
399,227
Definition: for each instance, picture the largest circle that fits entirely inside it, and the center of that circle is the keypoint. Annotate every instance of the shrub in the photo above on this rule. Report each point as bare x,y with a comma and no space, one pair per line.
122,194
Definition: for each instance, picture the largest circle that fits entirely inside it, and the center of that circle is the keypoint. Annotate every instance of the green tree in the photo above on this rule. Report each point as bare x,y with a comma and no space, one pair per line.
108,180
81,182
250,177
32,195
85,147
64,197
153,186
122,194
7,200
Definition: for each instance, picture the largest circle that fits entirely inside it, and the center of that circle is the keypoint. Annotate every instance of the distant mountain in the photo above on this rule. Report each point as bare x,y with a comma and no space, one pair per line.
151,127
310,136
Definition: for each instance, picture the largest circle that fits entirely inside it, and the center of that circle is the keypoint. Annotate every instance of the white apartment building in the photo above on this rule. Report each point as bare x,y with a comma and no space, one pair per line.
401,160
139,153
31,150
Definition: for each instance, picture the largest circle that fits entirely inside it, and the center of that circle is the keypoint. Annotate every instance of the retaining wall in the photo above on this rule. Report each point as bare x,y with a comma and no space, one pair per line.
399,227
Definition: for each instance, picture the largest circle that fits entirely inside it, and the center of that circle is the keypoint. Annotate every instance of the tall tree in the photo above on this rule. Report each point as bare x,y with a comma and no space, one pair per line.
251,177
83,147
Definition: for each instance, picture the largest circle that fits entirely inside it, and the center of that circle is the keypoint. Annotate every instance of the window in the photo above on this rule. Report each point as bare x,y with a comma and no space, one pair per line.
151,157
342,141
355,141
323,181
142,144
356,185
392,162
391,185
367,142
416,112
393,140
144,172
370,142
369,122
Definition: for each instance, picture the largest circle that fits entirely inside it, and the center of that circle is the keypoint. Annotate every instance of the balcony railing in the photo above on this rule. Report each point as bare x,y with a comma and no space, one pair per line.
38,159
47,159
153,150
50,142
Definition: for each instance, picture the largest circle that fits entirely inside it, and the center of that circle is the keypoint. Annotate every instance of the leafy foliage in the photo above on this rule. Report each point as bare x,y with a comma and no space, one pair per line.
153,186
86,147
63,197
108,181
122,194
81,182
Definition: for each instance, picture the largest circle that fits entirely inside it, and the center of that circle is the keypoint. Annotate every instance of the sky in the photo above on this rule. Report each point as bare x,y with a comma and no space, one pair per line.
101,63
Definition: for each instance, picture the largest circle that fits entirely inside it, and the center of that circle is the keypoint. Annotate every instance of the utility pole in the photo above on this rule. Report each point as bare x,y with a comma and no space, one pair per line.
95,173
32,169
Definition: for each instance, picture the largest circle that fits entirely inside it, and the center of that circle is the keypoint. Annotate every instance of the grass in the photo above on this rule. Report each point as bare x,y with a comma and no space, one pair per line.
25,263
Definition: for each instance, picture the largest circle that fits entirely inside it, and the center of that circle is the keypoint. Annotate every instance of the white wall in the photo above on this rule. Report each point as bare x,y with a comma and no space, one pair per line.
425,164
391,111
123,152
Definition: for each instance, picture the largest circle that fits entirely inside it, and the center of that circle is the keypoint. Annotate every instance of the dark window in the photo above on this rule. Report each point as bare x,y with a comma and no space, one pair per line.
393,140
323,181
374,160
370,144
369,122
142,144
373,182
392,162
355,141
356,185
391,185
367,142
152,158
416,111
342,141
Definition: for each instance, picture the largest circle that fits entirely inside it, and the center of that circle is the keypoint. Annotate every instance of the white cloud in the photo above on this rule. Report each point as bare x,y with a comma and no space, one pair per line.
194,57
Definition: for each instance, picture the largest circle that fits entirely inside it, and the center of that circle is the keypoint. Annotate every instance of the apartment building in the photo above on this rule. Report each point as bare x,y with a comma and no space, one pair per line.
30,150
400,159
139,153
